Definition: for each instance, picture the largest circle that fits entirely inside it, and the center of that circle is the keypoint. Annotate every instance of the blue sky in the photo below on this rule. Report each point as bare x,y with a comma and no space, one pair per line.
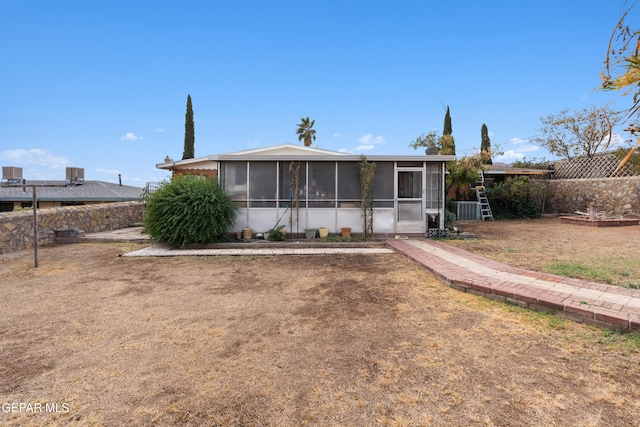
103,84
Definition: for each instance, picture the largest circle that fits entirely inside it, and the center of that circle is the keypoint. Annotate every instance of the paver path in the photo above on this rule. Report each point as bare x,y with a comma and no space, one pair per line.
584,301
161,250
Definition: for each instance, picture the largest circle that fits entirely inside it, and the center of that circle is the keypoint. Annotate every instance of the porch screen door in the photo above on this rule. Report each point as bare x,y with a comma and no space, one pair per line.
410,207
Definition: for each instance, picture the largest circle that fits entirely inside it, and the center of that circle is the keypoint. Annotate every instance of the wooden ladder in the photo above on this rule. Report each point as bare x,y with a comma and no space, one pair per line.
485,208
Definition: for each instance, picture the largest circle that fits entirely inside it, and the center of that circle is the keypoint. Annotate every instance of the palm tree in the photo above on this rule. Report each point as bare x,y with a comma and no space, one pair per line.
305,133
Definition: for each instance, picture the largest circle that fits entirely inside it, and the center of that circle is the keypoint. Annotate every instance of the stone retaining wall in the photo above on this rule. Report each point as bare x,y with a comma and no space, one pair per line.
611,196
16,228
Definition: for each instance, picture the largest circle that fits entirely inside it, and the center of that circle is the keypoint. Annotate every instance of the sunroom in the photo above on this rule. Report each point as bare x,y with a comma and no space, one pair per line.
303,187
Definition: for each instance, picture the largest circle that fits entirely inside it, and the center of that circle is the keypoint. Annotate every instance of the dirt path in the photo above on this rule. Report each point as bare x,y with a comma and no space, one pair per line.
287,341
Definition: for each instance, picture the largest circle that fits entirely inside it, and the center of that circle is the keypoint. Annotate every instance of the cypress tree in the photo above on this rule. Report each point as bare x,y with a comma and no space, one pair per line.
448,130
189,132
485,146
447,143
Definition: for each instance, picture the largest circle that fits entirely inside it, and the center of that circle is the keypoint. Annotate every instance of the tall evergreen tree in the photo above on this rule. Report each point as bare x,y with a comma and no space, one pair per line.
448,129
447,143
189,132
485,146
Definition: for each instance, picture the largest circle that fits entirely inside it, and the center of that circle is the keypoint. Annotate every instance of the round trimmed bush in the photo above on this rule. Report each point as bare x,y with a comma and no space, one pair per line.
189,209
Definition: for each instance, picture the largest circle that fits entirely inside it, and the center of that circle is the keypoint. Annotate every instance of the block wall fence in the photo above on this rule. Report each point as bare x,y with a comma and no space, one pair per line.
611,196
16,228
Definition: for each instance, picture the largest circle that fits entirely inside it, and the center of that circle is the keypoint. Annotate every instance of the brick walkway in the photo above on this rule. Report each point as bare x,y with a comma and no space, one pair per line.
587,302
161,250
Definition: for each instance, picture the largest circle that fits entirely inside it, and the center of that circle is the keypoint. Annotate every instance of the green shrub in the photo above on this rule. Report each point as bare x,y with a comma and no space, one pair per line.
276,234
517,197
449,219
189,209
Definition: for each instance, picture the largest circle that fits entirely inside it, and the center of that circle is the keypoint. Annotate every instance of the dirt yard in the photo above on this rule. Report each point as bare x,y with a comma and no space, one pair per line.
91,338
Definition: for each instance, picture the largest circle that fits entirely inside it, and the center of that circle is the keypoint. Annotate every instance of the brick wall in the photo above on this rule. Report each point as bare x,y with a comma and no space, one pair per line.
612,196
16,228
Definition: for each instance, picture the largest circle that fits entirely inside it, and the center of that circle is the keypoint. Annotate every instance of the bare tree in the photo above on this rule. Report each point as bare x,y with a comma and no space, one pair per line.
575,134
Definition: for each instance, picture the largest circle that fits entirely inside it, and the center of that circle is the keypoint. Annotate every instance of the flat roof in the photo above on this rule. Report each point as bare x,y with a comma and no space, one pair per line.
303,158
89,191
291,152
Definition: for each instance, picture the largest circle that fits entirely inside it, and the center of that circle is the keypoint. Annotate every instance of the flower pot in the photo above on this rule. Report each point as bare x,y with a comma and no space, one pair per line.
323,232
310,233
246,233
346,231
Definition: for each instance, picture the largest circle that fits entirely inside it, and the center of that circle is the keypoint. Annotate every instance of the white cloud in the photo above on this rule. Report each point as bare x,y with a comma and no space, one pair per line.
517,141
35,156
368,139
366,143
509,155
616,141
160,130
336,135
130,136
516,154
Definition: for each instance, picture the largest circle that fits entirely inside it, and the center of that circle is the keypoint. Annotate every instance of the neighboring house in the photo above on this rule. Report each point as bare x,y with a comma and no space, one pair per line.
467,205
499,172
69,192
408,189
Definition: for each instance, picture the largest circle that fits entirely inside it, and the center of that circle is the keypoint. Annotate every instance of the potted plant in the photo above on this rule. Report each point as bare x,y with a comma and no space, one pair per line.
276,234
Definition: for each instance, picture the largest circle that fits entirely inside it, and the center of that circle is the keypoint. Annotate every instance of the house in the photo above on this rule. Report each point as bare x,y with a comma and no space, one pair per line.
16,192
408,189
499,172
470,202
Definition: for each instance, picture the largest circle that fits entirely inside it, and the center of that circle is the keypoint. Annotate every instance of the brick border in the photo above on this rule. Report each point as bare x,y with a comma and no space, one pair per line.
613,317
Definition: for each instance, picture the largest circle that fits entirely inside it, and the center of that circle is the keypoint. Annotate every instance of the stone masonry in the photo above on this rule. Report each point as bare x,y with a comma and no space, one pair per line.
610,196
16,228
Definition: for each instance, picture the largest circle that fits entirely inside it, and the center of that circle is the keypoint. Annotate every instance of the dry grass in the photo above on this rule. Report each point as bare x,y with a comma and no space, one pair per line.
295,340
607,254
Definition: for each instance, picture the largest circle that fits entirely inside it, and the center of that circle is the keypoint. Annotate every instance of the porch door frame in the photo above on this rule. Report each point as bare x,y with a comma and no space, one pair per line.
410,209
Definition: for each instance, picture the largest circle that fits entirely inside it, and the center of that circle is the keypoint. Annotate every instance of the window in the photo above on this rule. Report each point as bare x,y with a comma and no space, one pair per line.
433,186
263,179
409,184
322,184
349,193
410,164
383,185
234,179
286,191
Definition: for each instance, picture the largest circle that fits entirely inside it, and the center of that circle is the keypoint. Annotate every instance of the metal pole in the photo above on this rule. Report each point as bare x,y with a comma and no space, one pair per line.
34,203
35,228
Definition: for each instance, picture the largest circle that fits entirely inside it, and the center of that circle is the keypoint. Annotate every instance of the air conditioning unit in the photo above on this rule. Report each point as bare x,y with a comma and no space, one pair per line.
12,174
75,176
